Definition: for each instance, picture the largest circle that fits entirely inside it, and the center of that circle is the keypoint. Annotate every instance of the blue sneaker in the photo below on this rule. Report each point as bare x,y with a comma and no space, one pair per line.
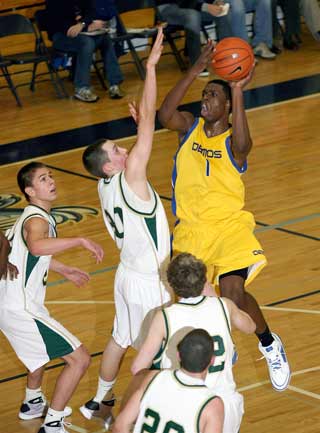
279,369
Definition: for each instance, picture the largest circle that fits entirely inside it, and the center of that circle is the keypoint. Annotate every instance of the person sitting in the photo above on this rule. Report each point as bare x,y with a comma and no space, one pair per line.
191,14
262,40
65,23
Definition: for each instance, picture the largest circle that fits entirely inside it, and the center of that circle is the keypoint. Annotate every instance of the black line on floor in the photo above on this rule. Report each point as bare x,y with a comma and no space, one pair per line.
88,177
293,298
291,232
50,367
93,355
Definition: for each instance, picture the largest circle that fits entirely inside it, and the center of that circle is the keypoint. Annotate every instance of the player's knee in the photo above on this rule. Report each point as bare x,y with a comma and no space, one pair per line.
80,359
235,292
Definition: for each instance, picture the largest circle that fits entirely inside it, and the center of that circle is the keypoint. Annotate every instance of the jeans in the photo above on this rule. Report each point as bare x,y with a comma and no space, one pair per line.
84,46
311,11
262,20
191,20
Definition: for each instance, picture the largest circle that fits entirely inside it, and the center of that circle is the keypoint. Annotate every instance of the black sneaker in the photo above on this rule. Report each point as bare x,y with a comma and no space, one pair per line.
102,410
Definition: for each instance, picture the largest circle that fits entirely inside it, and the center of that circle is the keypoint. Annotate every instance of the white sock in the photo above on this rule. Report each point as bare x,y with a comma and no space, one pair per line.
53,415
31,394
103,388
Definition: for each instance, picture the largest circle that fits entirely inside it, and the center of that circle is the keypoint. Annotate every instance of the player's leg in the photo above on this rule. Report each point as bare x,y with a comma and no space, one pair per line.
240,259
34,403
77,363
100,406
231,286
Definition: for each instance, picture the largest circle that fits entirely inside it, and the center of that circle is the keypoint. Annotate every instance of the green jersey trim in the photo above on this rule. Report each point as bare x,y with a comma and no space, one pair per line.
31,263
193,305
202,409
145,214
156,362
174,373
56,345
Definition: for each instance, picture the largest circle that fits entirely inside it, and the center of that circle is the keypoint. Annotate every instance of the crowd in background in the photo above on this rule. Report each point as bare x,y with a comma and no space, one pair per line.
81,27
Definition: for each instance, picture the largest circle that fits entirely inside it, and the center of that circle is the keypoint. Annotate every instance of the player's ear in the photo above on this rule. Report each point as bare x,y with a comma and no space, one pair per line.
108,168
29,191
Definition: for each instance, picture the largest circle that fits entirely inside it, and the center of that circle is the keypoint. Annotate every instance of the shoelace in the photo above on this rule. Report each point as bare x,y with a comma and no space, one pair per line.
65,423
274,363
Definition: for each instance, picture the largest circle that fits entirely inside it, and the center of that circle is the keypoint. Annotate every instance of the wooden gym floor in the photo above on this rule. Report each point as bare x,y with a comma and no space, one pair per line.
282,186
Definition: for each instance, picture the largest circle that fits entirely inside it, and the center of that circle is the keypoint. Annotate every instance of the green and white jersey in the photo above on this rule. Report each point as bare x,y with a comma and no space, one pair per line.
206,313
172,403
27,292
139,227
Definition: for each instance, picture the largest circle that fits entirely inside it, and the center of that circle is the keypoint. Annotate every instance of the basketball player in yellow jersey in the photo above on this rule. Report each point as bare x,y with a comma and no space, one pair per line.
208,198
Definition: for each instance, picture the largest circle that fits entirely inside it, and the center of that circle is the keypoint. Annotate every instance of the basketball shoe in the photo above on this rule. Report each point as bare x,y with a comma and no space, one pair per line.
36,408
279,369
102,410
54,427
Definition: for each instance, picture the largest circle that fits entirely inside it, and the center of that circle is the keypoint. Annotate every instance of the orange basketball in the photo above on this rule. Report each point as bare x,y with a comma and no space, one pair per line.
233,59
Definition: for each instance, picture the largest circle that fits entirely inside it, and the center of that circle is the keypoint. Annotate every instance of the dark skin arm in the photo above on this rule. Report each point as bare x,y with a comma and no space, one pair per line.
241,140
6,268
168,114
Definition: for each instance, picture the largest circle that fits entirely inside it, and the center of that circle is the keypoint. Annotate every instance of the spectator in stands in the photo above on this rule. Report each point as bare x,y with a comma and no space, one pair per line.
292,30
310,10
191,14
262,25
66,20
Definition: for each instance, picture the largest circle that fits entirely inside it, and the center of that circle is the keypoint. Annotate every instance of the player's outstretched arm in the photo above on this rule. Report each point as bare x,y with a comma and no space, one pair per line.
239,318
151,345
75,275
39,244
169,116
6,268
241,139
212,417
138,158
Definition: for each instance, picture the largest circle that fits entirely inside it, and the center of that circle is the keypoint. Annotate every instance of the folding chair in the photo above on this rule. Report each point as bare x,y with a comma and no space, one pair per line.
5,74
124,36
40,18
16,24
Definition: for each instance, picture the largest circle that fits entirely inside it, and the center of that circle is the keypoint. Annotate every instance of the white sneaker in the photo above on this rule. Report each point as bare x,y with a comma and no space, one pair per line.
54,427
37,408
279,369
262,50
102,410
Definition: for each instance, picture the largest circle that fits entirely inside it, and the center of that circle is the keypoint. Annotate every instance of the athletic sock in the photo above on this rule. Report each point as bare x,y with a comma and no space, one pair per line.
53,416
265,337
103,388
32,394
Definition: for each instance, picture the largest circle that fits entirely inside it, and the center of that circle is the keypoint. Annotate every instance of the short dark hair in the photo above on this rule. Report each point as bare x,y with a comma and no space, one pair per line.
94,158
187,275
25,176
196,351
225,87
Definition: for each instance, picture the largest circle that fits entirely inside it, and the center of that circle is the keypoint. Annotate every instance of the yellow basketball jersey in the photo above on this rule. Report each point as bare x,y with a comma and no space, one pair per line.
206,179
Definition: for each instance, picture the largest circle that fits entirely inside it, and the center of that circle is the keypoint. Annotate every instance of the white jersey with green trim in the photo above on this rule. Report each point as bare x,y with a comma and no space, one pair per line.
173,402
139,228
207,313
27,292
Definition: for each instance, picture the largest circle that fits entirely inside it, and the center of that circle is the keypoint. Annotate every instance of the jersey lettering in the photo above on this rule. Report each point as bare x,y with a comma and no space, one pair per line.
170,426
207,153
218,350
117,212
